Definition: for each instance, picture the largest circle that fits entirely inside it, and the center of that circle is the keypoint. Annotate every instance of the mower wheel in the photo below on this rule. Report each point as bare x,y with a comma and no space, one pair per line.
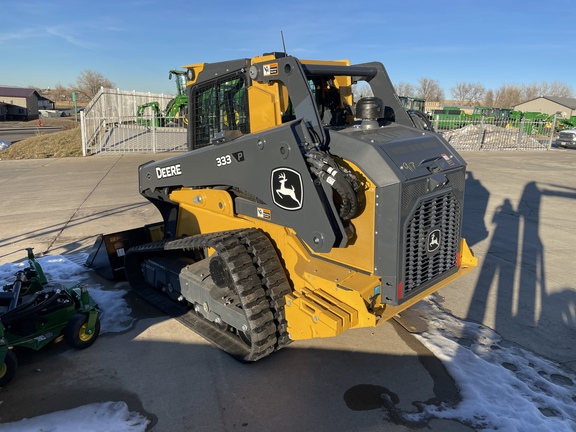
75,332
8,368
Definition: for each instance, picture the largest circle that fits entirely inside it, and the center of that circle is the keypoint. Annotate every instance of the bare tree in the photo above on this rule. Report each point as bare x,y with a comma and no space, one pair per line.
405,89
89,82
430,90
531,91
555,88
507,96
468,93
560,89
61,93
360,90
489,99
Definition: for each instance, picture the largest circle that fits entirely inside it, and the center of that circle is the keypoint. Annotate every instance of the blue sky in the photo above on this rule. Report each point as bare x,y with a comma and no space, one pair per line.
134,43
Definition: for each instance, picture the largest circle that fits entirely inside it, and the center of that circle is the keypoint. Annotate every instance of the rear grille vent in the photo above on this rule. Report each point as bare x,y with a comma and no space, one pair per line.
439,215
414,190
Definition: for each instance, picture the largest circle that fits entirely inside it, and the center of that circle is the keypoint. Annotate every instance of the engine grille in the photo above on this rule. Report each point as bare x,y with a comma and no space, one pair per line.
443,213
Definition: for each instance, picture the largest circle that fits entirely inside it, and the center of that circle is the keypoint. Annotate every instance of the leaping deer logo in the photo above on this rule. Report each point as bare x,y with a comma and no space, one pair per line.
287,188
285,191
433,240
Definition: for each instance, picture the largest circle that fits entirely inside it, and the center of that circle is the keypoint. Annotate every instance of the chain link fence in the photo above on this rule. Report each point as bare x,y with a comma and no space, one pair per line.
497,135
118,121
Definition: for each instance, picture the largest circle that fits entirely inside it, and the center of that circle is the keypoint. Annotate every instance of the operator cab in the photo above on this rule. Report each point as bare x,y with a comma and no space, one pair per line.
230,99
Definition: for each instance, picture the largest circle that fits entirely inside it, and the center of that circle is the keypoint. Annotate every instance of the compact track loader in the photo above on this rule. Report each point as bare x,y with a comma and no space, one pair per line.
297,212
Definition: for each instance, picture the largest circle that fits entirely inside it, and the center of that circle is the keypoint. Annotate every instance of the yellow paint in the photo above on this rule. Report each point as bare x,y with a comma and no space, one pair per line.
360,251
264,106
328,298
307,317
203,211
198,67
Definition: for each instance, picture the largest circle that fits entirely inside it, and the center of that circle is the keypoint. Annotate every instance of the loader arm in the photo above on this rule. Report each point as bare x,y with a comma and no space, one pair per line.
227,164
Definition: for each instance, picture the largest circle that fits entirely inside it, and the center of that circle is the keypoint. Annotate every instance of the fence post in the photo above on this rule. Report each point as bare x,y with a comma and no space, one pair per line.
552,131
83,132
153,132
520,133
118,107
481,131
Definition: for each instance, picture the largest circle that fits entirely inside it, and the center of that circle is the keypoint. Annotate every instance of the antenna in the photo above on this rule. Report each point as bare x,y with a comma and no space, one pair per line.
283,44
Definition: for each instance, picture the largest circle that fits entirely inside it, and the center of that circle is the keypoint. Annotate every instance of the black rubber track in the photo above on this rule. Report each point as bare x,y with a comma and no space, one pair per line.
257,278
273,278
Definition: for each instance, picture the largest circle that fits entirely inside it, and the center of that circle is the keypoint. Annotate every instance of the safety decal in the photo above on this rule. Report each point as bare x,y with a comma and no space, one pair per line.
433,240
287,190
448,159
263,213
270,69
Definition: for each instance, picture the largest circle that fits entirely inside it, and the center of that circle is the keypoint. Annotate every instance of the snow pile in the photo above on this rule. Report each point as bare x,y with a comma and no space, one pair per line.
97,417
503,387
491,137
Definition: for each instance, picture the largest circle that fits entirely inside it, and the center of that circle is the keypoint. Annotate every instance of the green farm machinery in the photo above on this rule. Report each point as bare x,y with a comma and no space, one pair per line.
151,113
532,123
449,117
416,109
35,312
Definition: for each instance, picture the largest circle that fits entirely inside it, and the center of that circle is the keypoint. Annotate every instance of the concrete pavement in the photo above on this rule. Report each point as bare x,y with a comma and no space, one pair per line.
518,213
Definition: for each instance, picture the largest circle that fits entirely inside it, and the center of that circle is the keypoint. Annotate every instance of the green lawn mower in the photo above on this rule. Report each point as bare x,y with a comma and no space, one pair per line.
34,312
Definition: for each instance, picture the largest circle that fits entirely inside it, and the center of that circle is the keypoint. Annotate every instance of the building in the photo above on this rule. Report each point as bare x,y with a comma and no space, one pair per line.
45,103
3,111
22,103
549,105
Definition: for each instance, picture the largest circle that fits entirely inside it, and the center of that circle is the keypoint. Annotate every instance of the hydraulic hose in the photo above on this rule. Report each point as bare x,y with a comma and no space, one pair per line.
29,307
327,170
423,117
19,278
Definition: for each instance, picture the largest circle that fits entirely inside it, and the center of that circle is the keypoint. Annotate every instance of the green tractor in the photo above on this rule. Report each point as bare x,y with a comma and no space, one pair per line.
415,107
413,103
34,312
176,111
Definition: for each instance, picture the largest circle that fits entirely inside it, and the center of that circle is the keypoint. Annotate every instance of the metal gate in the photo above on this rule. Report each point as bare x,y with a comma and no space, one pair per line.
110,124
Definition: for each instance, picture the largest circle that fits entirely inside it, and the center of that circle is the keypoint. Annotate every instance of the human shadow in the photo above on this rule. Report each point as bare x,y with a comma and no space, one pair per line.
476,202
499,264
513,293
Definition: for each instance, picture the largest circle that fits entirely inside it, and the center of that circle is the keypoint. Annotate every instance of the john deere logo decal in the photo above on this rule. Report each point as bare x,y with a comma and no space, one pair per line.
287,191
433,240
